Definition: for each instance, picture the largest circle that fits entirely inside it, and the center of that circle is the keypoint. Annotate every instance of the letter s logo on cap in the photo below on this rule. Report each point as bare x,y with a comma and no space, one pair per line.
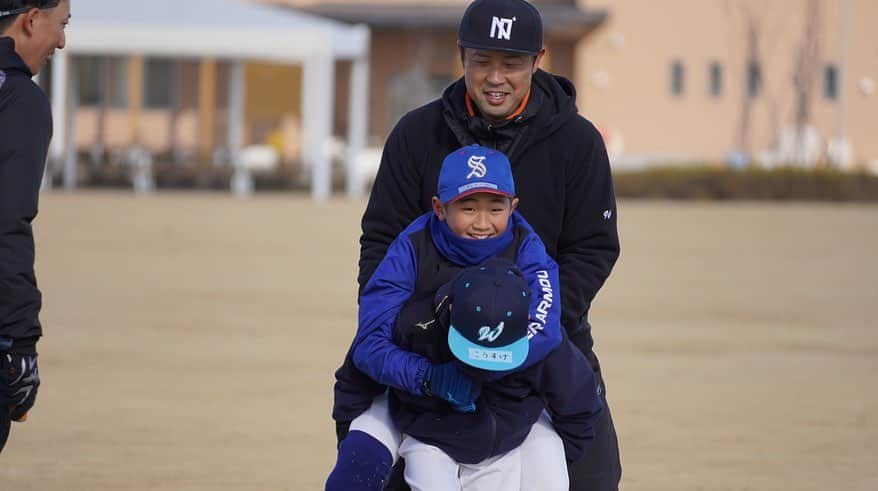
477,164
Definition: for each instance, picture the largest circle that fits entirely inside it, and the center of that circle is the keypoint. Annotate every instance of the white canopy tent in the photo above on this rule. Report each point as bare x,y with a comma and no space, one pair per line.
234,31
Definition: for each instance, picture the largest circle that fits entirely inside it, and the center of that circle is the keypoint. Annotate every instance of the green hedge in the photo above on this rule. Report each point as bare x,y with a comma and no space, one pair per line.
713,183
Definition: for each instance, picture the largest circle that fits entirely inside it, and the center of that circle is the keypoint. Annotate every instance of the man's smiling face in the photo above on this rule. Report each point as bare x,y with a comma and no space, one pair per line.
497,81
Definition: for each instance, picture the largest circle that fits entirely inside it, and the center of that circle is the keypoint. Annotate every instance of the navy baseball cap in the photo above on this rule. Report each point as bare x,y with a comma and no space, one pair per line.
475,169
502,25
27,5
489,316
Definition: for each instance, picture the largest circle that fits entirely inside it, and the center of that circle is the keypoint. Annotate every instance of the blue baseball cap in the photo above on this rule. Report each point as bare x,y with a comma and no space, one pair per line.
489,316
475,169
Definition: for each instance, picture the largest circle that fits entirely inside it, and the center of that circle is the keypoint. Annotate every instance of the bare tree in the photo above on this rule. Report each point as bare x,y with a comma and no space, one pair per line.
762,32
805,76
752,34
768,46
412,87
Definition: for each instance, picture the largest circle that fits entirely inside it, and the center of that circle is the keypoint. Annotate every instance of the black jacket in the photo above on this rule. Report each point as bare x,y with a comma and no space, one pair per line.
562,175
25,131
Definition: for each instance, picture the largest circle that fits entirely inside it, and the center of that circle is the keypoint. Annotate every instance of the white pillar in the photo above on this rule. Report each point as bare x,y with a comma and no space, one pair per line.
70,176
358,118
46,182
242,181
59,111
317,106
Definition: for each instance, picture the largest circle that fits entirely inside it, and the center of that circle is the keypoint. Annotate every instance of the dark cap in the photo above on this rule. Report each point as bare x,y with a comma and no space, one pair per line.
502,25
9,8
489,316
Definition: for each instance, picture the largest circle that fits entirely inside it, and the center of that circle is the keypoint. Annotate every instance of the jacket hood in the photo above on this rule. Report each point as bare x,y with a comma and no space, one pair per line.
552,103
559,103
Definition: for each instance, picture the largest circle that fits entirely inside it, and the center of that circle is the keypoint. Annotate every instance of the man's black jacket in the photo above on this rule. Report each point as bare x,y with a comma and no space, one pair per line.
25,131
562,175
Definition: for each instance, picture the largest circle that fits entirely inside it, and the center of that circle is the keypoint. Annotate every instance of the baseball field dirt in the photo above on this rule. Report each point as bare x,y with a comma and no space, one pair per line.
190,341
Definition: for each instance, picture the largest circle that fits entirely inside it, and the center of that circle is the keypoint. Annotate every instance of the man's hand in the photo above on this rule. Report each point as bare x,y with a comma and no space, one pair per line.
21,380
447,382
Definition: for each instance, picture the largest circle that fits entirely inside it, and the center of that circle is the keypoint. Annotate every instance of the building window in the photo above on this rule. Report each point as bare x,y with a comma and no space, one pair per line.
88,79
118,68
677,73
101,80
830,82
754,79
715,79
159,83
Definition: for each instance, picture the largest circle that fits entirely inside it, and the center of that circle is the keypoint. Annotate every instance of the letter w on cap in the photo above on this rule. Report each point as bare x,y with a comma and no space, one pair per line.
486,333
501,28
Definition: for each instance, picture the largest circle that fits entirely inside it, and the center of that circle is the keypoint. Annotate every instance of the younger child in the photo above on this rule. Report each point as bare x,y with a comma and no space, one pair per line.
486,331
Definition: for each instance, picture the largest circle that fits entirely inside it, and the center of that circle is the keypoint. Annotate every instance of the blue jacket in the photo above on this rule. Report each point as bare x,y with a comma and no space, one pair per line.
393,284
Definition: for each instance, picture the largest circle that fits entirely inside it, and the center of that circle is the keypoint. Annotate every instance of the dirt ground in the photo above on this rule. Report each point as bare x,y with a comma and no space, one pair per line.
190,341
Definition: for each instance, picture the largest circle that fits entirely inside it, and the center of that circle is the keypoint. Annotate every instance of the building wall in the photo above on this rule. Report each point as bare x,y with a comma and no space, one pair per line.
272,110
410,68
623,75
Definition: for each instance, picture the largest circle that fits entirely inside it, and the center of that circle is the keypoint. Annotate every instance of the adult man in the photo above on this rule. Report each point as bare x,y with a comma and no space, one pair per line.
506,102
30,31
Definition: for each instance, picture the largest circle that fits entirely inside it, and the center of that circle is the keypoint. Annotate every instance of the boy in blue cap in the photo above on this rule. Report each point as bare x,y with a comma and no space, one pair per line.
473,220
507,443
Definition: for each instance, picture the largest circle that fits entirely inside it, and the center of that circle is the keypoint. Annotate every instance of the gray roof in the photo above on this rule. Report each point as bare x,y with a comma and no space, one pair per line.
220,28
560,20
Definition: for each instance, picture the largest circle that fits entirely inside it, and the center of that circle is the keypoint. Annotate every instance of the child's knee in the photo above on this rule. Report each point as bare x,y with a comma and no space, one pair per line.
363,463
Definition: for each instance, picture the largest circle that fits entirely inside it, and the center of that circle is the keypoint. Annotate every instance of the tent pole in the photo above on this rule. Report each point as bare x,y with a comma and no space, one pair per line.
317,111
59,111
242,181
358,123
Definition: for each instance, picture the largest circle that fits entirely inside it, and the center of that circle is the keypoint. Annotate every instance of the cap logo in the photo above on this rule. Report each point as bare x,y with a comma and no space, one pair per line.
477,164
490,335
501,28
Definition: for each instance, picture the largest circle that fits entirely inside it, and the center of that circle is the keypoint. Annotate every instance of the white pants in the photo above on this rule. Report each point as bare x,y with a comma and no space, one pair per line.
376,423
427,468
538,464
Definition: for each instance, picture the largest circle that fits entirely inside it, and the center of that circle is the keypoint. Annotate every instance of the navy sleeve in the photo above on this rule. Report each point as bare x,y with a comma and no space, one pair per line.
393,202
567,384
374,351
589,243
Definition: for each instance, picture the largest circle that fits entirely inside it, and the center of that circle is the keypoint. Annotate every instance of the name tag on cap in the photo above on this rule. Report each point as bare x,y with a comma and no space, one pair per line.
490,355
